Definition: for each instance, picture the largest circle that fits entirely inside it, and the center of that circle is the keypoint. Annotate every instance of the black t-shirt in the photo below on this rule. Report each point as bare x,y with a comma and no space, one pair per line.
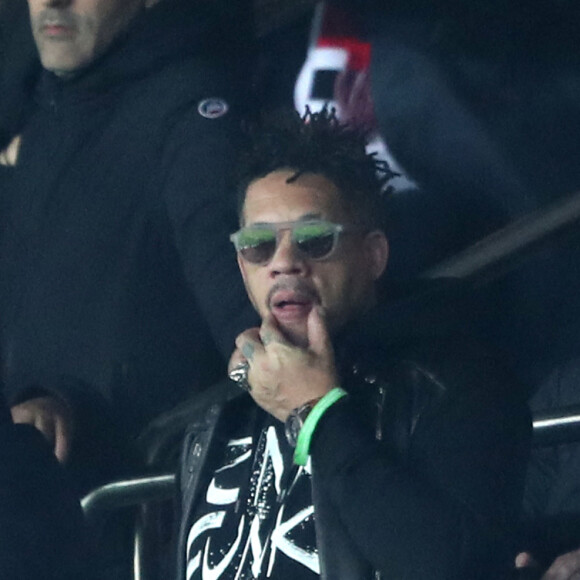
256,519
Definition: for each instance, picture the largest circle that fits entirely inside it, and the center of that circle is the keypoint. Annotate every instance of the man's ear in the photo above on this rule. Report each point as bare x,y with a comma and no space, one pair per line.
377,250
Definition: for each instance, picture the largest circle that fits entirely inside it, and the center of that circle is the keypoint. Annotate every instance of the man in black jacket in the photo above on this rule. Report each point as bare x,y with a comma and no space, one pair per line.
113,246
376,439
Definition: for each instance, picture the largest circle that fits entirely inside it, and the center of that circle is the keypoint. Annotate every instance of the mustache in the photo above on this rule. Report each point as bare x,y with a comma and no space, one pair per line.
55,17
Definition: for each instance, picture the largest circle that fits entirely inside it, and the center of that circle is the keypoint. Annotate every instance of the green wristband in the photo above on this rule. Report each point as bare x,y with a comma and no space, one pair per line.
305,436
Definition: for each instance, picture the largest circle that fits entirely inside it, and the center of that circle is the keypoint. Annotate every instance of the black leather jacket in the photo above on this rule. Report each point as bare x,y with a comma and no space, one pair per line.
417,474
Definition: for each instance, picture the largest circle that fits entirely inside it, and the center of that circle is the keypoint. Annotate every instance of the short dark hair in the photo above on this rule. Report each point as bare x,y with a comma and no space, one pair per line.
317,143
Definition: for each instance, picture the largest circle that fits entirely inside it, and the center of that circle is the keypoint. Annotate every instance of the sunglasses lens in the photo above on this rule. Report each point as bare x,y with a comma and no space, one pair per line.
316,241
257,245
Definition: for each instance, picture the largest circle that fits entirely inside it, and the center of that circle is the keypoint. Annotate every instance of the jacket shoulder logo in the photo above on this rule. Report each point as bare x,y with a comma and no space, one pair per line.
212,108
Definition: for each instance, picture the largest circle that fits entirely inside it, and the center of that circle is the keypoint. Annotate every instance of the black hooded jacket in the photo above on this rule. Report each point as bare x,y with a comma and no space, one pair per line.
115,262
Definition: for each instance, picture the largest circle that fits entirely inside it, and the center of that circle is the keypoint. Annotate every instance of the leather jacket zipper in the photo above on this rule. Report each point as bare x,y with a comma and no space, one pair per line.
380,406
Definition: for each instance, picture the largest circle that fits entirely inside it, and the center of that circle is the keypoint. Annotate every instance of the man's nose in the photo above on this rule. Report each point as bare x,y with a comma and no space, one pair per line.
287,259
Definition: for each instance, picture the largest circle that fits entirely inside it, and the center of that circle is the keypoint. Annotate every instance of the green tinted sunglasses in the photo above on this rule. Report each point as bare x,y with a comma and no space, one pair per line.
313,239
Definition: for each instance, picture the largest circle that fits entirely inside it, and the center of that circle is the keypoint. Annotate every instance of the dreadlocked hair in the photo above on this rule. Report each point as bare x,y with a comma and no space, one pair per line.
318,143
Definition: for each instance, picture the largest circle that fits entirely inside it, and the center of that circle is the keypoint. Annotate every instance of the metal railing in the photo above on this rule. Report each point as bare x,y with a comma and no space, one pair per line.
126,493
139,491
557,426
509,244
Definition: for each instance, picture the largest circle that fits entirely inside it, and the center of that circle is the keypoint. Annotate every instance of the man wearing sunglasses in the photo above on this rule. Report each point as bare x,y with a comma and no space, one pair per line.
374,440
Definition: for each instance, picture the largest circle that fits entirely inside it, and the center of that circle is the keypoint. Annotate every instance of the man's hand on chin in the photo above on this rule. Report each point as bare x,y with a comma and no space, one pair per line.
52,417
282,375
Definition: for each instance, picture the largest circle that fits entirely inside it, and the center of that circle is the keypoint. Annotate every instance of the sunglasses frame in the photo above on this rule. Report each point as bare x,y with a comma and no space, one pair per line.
278,227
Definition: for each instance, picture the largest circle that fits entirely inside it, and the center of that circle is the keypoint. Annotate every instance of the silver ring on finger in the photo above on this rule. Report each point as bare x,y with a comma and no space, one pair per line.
239,374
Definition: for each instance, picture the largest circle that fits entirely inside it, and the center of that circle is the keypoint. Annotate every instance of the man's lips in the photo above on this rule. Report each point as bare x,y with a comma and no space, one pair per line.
57,22
57,30
289,305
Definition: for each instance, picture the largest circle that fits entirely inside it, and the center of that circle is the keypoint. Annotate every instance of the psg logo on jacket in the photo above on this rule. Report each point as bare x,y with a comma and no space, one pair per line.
212,108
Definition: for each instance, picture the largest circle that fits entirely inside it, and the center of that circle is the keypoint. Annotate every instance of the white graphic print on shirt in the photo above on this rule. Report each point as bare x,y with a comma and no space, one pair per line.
256,527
